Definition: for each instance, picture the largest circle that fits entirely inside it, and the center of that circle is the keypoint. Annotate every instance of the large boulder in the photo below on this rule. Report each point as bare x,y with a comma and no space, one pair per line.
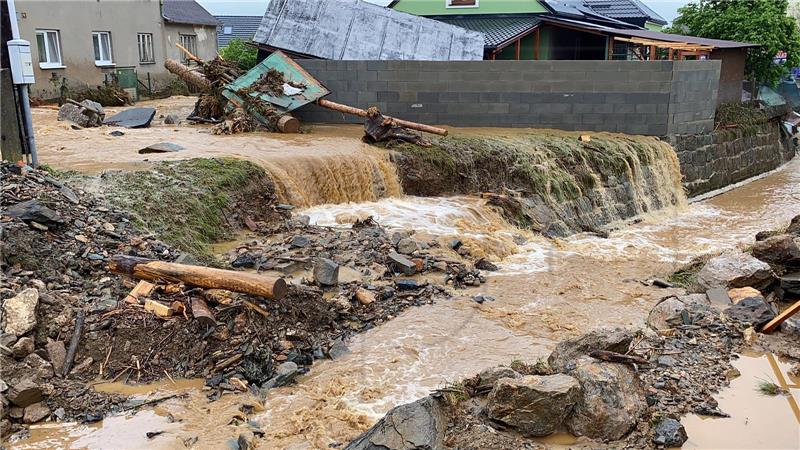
612,400
419,426
19,312
734,269
33,211
87,114
534,405
782,250
568,351
673,311
753,311
326,272
490,376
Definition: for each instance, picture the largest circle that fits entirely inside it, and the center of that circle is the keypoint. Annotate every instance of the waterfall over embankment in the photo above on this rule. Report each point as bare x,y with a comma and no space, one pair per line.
549,181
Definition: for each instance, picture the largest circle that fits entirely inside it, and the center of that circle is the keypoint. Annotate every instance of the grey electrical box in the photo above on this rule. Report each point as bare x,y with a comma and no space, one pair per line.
19,54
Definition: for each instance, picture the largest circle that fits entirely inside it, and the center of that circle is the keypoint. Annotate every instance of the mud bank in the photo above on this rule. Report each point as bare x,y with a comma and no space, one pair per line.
549,181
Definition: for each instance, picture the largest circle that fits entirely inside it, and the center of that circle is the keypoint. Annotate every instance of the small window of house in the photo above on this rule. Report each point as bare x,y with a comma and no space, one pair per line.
189,42
227,30
49,45
101,40
145,41
461,3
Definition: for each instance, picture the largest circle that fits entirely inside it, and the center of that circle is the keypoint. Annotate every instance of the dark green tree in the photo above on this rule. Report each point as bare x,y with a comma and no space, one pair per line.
238,51
763,22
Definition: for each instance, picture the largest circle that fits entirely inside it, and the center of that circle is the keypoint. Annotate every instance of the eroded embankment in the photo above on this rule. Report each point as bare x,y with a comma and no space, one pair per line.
551,182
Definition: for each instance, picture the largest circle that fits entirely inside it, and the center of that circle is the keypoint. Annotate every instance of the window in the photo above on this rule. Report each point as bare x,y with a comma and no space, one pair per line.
49,45
102,48
227,30
145,47
189,42
461,3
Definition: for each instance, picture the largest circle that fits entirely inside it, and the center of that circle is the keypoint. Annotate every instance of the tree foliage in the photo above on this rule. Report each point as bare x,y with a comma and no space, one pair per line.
238,51
763,22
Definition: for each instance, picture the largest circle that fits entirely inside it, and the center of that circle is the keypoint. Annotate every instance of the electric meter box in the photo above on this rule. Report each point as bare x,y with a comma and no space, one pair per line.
19,54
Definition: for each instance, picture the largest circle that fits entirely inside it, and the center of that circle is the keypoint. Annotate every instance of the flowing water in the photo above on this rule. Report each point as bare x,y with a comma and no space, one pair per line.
546,290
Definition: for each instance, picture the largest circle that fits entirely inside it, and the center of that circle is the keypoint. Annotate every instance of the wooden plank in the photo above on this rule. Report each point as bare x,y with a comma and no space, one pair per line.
518,47
780,318
538,43
142,290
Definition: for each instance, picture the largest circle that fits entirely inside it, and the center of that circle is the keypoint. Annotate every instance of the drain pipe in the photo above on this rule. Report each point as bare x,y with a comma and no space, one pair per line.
22,78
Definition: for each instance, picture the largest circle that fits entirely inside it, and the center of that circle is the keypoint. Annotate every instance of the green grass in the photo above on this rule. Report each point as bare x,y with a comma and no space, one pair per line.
454,392
185,203
687,275
766,387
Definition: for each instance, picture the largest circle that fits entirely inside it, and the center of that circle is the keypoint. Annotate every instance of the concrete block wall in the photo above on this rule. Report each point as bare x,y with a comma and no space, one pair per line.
634,97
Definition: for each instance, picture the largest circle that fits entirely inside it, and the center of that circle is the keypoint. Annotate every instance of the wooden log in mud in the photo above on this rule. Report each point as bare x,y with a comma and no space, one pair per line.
605,355
202,313
206,277
73,343
363,113
188,75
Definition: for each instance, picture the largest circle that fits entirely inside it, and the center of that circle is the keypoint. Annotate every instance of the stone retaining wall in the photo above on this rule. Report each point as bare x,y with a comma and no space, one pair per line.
723,157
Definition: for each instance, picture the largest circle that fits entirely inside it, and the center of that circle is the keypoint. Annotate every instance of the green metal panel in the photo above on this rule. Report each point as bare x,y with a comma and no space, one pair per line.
312,91
127,77
439,7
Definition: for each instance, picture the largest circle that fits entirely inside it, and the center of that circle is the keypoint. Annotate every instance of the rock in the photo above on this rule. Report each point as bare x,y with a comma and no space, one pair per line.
400,263
89,114
669,433
791,327
415,426
338,349
534,405
480,298
7,340
117,133
406,285
612,401
57,354
23,347
485,264
284,375
257,367
720,296
19,312
752,310
70,195
666,314
666,360
171,119
300,241
161,147
36,412
16,413
3,386
782,250
734,269
738,294
326,272
24,393
364,296
455,244
790,283
489,377
568,351
407,246
794,225
246,440
38,366
33,211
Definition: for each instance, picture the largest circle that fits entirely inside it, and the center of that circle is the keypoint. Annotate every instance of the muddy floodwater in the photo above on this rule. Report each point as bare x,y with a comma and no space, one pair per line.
546,290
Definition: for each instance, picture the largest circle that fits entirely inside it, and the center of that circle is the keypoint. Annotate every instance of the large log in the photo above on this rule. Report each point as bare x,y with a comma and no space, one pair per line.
207,277
363,113
188,75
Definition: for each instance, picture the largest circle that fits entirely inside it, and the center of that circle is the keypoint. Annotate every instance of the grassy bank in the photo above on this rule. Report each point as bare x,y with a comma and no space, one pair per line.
553,164
194,203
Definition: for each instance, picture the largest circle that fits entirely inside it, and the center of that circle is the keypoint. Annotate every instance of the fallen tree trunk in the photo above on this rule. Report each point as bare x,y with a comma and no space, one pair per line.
160,271
363,113
188,75
73,343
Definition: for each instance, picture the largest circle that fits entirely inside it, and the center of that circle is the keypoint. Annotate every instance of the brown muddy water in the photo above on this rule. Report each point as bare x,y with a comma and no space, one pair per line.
545,291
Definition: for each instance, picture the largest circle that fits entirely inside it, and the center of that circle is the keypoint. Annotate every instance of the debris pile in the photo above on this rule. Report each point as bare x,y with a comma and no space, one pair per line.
84,114
68,318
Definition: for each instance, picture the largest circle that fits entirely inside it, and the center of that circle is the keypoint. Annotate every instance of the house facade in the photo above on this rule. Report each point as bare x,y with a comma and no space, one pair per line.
77,44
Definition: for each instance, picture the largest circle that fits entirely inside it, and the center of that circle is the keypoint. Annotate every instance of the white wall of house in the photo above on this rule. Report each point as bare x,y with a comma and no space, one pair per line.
74,23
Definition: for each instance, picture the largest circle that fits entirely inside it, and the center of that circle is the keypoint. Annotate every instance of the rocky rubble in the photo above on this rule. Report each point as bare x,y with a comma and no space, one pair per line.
673,367
57,241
